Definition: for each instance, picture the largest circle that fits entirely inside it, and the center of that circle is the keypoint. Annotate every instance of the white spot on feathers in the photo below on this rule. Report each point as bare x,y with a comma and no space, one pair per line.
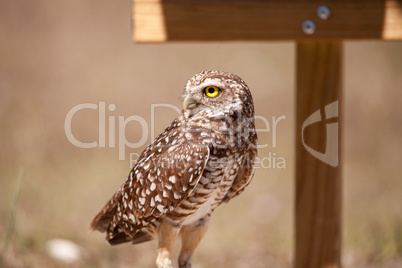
152,187
146,166
172,179
158,198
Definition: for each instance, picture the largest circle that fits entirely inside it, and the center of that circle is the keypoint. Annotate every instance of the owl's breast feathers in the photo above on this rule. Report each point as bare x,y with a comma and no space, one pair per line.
232,140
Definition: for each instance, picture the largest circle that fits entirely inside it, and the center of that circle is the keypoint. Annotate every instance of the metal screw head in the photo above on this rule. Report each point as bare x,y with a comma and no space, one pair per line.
308,27
323,12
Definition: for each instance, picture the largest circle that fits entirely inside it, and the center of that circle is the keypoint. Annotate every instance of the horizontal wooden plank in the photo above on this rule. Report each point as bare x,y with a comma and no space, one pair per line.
220,20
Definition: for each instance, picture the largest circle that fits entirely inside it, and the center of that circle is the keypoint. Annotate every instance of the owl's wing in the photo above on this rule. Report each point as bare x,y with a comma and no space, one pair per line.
244,175
163,177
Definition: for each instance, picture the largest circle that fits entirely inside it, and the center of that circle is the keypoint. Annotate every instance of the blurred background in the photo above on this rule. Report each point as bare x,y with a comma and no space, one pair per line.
55,55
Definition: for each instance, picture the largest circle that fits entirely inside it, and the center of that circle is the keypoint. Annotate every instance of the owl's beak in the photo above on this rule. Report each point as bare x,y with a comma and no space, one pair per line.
189,103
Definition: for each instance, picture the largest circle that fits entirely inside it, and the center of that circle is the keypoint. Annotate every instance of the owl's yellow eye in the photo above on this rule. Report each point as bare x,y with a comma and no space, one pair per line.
212,91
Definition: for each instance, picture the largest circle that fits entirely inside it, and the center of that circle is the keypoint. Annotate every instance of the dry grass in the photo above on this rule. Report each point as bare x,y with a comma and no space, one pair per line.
56,54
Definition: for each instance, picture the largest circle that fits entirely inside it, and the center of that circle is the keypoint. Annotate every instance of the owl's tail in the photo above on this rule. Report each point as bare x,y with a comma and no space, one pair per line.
121,237
102,221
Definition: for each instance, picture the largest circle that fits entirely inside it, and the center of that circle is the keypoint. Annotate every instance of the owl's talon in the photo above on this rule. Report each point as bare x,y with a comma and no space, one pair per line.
163,259
165,263
185,262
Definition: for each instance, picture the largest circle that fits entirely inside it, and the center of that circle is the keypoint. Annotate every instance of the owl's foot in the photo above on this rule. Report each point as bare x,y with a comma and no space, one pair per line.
163,259
184,261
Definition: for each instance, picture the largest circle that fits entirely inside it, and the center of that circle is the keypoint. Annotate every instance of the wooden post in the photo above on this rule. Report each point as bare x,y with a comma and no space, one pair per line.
318,184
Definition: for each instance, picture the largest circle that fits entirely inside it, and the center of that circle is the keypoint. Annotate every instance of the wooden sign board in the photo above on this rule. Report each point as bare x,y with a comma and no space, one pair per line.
223,20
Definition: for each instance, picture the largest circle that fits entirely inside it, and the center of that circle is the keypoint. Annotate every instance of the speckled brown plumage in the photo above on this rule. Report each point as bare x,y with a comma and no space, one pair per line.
205,157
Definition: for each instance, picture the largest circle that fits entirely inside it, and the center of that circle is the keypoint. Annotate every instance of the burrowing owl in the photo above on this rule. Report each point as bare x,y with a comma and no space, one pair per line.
204,158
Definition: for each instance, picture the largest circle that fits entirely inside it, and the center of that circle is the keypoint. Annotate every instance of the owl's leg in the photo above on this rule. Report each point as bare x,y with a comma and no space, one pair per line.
191,236
167,236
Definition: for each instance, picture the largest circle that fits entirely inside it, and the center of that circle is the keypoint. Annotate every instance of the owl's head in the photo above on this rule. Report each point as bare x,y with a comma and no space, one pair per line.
217,92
